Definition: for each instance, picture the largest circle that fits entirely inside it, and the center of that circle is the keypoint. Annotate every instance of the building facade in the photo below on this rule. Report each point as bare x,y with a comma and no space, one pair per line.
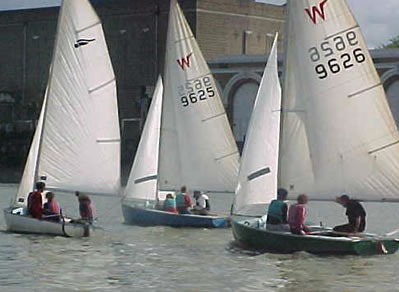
239,77
136,35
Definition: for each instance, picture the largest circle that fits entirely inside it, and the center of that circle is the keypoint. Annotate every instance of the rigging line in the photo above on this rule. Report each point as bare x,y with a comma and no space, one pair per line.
364,90
213,117
102,85
104,141
183,39
225,156
341,32
88,27
383,147
292,111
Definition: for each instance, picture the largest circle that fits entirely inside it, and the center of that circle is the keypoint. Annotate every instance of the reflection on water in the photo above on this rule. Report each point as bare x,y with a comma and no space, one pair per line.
129,258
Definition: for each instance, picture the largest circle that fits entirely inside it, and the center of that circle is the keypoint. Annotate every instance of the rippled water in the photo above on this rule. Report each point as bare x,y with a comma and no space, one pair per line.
128,258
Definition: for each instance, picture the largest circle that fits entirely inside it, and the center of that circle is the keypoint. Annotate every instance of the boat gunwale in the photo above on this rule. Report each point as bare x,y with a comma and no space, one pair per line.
318,237
176,214
8,211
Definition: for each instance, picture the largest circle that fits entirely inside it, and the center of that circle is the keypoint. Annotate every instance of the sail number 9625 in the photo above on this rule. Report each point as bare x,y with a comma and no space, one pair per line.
341,53
196,90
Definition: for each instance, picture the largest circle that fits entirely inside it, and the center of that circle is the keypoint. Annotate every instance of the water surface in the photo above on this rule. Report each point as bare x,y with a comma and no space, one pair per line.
128,258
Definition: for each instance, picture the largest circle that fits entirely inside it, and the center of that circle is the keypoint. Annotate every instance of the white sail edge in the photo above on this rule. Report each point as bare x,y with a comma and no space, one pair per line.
257,180
142,182
27,182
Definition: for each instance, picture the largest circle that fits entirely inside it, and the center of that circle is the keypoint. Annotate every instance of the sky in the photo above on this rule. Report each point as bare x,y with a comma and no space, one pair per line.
379,19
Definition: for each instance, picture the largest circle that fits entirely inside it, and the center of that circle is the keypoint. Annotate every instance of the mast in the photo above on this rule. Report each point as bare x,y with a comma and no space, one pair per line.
282,114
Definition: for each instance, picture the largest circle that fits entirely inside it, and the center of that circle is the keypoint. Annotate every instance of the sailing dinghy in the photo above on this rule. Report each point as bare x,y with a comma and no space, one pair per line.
76,145
337,132
187,139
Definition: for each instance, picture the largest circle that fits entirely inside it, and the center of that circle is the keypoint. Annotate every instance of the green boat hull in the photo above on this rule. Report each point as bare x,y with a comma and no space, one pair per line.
247,234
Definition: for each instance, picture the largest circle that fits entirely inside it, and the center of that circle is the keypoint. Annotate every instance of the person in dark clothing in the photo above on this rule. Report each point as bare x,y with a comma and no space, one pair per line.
277,212
355,213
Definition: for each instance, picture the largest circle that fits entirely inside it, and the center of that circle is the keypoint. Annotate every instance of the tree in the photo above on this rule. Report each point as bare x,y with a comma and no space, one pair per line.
393,43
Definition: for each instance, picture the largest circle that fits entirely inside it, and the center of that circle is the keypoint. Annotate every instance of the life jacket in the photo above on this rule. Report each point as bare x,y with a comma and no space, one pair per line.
180,202
53,207
296,216
275,209
35,207
169,205
85,209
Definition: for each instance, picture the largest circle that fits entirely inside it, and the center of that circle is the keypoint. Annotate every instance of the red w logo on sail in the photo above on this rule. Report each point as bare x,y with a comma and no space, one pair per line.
185,61
317,11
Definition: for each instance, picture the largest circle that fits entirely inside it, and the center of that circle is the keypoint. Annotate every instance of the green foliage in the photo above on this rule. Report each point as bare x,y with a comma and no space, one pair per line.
393,43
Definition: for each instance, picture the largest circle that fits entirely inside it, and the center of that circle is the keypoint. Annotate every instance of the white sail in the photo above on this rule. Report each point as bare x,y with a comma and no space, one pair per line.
142,183
197,148
338,132
257,179
27,183
80,145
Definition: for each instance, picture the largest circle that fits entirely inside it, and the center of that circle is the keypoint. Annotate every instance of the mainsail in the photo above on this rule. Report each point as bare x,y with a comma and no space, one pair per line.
197,148
257,179
77,142
338,133
142,183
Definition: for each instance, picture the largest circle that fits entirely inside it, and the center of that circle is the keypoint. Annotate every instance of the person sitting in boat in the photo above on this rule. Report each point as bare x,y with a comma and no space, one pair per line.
51,208
35,203
277,213
169,205
297,215
202,204
355,213
85,208
183,201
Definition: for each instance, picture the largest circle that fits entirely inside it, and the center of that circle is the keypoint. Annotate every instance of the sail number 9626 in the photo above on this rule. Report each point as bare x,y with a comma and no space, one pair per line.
196,90
341,53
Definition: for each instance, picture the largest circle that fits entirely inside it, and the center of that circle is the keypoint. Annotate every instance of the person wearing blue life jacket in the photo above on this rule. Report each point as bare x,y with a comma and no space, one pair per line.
277,213
183,201
169,205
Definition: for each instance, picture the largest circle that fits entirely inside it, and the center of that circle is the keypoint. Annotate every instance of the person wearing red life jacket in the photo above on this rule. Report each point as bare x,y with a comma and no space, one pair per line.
51,209
86,208
35,204
297,215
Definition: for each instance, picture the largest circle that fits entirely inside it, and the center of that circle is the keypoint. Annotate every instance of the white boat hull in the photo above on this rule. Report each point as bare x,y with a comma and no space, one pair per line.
24,224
